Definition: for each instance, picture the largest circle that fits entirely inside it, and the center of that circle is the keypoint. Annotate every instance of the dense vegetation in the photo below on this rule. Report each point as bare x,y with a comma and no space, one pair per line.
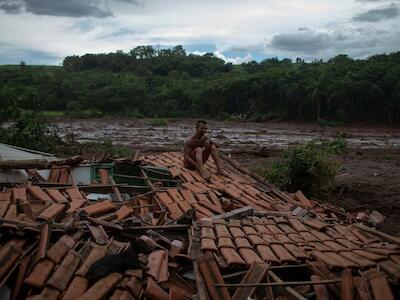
310,168
170,83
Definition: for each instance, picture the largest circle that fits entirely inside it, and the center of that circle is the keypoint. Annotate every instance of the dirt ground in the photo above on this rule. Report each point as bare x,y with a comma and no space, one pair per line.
368,178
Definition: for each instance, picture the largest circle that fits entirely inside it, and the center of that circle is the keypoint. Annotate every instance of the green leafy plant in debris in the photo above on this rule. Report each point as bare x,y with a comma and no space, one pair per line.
31,130
310,168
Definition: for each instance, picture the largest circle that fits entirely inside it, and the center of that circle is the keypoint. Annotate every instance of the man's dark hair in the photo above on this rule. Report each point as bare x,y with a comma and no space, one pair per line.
199,122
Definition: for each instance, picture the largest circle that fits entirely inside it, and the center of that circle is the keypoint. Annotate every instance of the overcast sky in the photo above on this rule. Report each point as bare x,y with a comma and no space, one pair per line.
45,31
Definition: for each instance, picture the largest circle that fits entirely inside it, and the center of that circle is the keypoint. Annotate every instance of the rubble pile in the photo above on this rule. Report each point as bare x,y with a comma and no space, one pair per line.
148,228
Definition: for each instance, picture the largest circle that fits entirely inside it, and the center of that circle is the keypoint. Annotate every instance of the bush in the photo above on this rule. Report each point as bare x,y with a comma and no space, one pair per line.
157,122
31,131
309,168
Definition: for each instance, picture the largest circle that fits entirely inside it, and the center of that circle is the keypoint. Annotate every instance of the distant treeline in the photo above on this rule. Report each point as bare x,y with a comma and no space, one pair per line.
169,83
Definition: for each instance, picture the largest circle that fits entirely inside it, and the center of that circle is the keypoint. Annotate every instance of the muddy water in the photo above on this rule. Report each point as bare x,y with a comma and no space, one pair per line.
141,133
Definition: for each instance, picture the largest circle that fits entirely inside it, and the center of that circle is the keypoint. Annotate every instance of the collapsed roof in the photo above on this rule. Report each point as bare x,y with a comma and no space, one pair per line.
230,237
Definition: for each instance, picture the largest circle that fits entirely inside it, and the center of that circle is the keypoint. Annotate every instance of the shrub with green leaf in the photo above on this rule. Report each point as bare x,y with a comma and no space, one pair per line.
31,131
310,168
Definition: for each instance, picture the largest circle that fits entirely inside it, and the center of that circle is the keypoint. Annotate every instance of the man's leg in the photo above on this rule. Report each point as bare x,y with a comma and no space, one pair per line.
200,163
218,160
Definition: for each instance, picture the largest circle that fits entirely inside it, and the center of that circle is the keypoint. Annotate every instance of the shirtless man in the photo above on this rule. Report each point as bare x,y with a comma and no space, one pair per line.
198,148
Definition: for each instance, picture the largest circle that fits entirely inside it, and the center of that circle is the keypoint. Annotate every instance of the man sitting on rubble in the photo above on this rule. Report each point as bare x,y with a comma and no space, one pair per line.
198,148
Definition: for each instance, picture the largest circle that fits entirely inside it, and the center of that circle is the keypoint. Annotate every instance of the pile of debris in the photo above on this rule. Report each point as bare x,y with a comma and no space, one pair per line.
147,228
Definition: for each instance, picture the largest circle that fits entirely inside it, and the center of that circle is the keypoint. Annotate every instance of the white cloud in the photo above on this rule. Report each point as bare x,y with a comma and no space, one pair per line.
234,60
225,24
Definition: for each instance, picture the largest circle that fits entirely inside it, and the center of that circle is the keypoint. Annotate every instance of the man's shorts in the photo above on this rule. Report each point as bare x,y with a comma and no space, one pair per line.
206,155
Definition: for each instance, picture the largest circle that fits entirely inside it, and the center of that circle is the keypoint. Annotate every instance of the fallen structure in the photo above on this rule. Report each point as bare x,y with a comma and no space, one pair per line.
230,238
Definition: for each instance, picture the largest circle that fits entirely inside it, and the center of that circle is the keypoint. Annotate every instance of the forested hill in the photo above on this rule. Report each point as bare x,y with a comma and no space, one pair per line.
170,83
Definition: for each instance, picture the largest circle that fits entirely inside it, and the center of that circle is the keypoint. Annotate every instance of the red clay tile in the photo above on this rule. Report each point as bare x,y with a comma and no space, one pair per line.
380,286
249,256
174,210
99,235
211,275
321,236
48,293
236,232
40,273
222,231
102,287
190,186
297,225
154,291
282,253
207,232
249,230
5,196
283,238
266,254
56,196
225,242
158,265
287,229
123,212
364,263
347,287
297,252
274,229
188,196
234,223
77,288
99,208
214,199
174,194
60,248
52,212
9,254
73,193
308,237
94,255
261,229
256,240
335,246
203,210
343,262
392,269
207,223
295,237
369,255
231,256
64,273
174,171
321,291
208,244
4,205
242,243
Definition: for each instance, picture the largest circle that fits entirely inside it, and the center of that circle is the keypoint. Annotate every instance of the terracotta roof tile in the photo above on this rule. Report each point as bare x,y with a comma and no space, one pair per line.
380,286
282,238
249,230
63,274
222,231
207,232
56,196
369,255
101,288
231,256
256,240
392,269
40,273
266,254
123,212
297,252
297,225
335,246
236,232
308,237
208,244
95,254
158,265
38,193
225,242
57,252
364,263
52,212
249,256
282,253
234,223
77,288
242,243
175,211
154,292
